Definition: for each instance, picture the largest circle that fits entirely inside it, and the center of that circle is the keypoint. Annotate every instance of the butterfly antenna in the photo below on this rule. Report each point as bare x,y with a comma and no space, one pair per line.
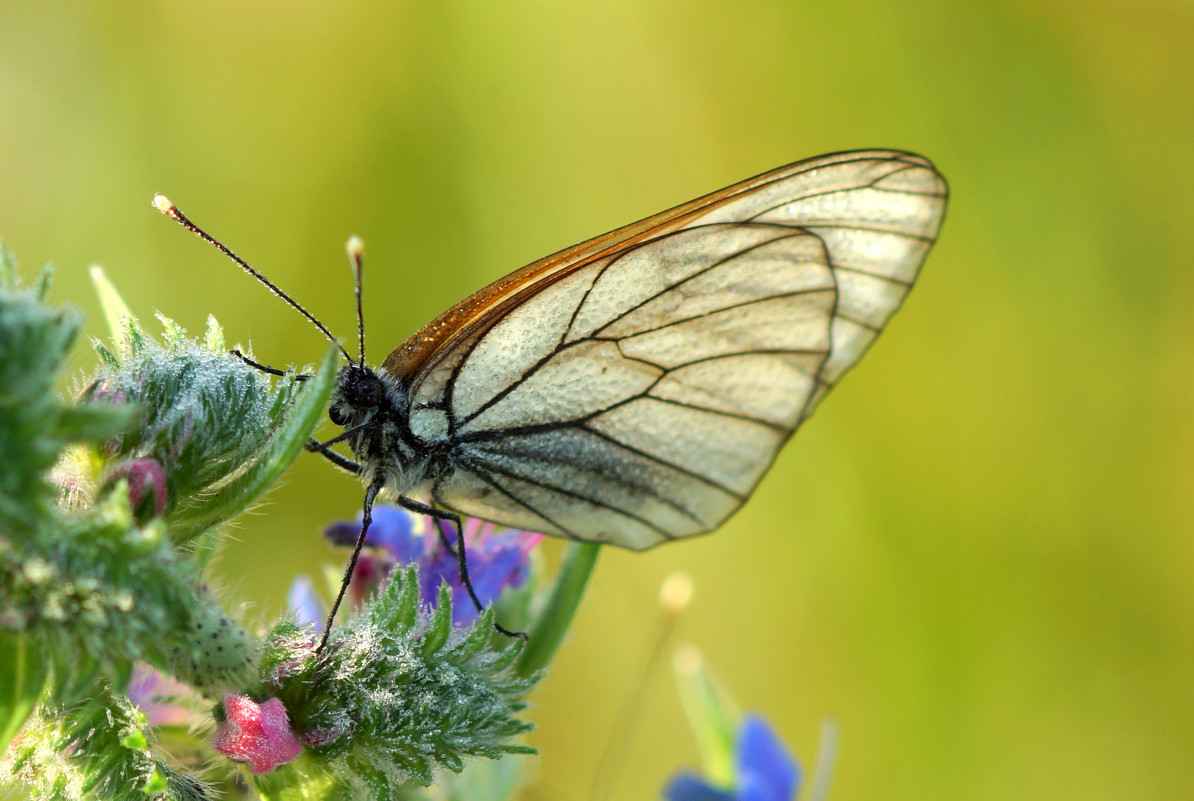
163,204
356,253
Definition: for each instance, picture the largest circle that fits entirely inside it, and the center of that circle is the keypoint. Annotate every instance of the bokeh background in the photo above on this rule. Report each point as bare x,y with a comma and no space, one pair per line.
977,557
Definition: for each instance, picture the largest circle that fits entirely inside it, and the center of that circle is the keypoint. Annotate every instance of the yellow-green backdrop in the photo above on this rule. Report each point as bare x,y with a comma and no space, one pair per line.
978,557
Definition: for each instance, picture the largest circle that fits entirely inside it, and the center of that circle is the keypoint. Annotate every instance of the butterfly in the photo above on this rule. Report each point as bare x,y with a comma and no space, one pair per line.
634,389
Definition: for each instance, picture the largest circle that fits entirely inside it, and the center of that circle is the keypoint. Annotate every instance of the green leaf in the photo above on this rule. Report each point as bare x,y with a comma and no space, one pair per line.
477,638
213,336
8,268
45,279
92,423
175,334
406,605
22,677
387,707
114,307
440,626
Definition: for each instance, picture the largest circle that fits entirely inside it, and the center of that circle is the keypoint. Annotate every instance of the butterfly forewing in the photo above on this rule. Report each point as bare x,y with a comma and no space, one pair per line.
633,389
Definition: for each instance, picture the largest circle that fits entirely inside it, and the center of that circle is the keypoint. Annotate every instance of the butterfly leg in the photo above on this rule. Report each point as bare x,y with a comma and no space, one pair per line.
440,516
343,462
313,445
263,368
366,521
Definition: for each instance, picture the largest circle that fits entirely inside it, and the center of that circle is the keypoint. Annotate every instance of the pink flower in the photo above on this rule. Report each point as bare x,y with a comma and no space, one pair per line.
258,734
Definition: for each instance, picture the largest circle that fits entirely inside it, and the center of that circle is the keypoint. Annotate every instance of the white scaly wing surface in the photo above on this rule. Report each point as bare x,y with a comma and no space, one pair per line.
640,386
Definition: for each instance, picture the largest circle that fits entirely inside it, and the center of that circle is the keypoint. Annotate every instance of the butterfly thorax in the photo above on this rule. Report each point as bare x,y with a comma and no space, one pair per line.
377,407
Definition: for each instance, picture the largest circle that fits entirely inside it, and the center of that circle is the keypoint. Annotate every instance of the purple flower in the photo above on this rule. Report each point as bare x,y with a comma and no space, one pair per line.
163,699
497,558
763,768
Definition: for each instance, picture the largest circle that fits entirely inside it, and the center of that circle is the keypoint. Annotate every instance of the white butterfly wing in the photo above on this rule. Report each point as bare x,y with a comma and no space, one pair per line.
634,389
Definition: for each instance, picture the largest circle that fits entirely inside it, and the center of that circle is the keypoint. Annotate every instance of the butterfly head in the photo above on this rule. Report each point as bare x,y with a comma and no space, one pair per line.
358,394
369,405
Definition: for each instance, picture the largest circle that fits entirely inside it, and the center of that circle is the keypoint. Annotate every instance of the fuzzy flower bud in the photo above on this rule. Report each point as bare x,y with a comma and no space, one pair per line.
258,734
147,479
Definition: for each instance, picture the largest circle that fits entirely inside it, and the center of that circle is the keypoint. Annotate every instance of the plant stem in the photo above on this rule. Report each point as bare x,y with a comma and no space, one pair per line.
553,622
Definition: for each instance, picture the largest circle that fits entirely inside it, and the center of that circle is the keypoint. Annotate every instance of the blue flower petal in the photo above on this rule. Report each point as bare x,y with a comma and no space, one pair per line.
440,568
303,601
488,572
501,564
685,786
765,770
393,529
496,561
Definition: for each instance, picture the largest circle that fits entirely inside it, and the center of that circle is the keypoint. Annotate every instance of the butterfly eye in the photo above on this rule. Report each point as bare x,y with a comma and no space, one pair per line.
363,391
374,393
336,417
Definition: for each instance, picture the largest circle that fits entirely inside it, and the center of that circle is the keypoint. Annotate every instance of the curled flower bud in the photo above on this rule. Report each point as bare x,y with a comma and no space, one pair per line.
317,738
147,482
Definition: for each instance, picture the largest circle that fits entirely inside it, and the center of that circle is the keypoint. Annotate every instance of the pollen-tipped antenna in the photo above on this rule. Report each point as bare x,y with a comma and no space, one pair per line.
356,253
163,204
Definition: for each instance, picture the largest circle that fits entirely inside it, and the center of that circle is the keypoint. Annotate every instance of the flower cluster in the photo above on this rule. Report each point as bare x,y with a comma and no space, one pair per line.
498,560
406,566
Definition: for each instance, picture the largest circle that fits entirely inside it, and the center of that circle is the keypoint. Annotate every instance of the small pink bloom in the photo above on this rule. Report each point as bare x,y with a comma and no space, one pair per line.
144,476
366,576
258,734
102,391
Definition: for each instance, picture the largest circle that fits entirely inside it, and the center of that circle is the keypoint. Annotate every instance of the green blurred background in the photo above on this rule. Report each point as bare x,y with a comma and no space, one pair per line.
977,557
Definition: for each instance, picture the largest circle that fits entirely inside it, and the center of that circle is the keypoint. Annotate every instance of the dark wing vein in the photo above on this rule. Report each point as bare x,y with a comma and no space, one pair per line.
710,313
746,418
488,435
693,276
596,337
513,385
511,450
813,227
586,499
664,462
482,474
861,324
891,279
